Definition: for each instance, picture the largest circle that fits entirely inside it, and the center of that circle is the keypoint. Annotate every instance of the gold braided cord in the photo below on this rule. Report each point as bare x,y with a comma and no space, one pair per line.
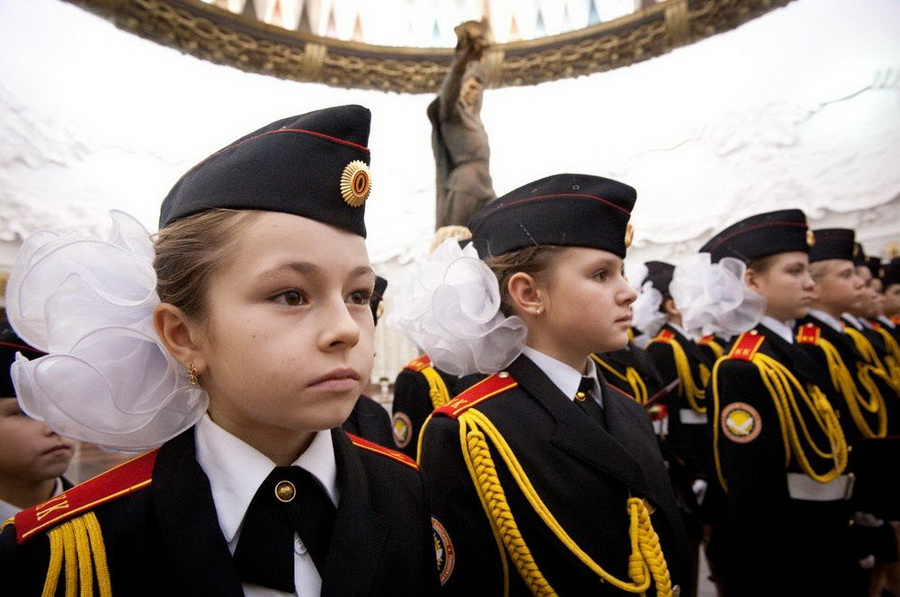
689,388
55,565
873,362
891,360
78,545
843,381
717,348
631,377
437,389
646,559
784,389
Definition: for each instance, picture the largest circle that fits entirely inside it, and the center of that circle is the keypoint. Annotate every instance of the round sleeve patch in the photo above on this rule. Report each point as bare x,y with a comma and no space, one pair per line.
443,550
402,427
741,422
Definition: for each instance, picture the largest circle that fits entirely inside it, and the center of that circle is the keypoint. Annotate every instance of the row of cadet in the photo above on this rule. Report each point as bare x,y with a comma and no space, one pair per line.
229,349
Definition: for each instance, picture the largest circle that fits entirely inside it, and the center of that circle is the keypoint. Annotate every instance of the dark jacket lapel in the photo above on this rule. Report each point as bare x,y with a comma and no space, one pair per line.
188,525
578,434
359,534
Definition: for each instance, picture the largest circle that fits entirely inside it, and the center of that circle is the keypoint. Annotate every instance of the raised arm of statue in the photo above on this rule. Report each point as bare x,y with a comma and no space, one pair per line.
460,143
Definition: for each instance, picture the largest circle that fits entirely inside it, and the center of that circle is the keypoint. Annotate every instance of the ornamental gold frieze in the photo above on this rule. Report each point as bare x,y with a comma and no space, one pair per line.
217,35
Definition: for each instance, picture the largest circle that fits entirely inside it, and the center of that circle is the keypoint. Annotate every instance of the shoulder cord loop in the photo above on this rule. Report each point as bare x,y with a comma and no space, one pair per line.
631,377
646,558
74,544
784,390
437,389
689,388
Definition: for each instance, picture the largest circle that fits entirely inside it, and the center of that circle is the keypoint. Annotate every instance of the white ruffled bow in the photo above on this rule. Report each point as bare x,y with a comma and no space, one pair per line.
448,304
89,303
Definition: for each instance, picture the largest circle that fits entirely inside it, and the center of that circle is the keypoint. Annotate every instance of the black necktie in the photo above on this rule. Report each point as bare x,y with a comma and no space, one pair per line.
584,398
288,500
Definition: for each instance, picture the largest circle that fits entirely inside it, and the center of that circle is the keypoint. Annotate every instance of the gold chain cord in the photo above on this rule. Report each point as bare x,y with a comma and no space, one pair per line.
891,360
631,377
689,388
784,389
842,379
646,559
437,389
78,546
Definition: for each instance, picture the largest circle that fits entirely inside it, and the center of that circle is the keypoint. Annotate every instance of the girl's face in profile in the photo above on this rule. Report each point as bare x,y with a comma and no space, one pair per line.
289,343
786,285
587,307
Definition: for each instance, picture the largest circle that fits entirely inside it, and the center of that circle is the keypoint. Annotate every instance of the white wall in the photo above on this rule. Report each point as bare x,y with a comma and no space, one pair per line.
799,108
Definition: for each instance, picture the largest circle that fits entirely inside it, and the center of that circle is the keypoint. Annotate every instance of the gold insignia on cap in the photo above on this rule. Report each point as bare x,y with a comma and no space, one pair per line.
629,234
356,183
810,238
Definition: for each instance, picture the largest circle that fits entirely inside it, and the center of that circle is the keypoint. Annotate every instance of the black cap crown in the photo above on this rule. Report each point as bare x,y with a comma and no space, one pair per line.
314,165
833,243
574,210
891,273
659,274
761,235
10,344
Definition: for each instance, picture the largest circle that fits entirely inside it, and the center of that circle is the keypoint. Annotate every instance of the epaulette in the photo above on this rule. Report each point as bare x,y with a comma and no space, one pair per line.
119,481
664,335
418,364
365,444
478,393
707,339
895,319
808,333
746,346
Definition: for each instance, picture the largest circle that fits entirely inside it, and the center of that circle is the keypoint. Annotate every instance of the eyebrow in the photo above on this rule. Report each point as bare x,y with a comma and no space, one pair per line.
314,271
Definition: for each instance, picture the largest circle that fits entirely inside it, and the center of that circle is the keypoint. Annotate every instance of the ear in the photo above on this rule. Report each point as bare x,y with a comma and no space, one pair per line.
524,294
671,309
751,279
178,335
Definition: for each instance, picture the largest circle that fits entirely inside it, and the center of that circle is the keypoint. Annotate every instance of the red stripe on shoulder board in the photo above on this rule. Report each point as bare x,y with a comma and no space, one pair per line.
481,391
746,346
121,480
418,364
378,449
665,335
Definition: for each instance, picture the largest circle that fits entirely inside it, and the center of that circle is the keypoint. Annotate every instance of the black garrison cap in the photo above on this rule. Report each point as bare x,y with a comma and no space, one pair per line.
761,235
859,255
573,210
314,165
10,344
833,243
659,274
875,266
376,302
891,273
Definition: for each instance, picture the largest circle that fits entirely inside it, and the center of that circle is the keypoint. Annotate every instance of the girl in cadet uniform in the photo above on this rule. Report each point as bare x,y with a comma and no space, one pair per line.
780,453
543,478
240,341
420,387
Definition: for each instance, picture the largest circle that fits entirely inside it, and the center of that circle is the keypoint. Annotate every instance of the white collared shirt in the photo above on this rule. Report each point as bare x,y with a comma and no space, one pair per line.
827,319
852,320
8,510
563,376
236,470
782,329
884,320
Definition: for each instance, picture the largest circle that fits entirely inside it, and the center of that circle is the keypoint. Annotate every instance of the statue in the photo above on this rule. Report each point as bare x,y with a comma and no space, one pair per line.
458,138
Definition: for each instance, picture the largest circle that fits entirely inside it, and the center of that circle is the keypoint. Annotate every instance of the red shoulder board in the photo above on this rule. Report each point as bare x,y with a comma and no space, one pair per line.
707,339
365,444
121,480
665,335
895,319
808,333
486,388
746,346
874,323
423,362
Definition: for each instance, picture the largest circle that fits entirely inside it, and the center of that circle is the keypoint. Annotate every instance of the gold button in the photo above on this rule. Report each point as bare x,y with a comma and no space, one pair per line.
580,396
503,375
285,491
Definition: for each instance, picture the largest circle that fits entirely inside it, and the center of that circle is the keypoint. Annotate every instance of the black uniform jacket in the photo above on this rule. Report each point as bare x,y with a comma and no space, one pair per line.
767,539
582,473
369,420
413,399
638,360
164,538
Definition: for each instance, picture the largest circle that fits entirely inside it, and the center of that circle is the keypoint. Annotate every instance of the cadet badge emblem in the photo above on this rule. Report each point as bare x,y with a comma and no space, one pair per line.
402,427
355,183
741,422
443,549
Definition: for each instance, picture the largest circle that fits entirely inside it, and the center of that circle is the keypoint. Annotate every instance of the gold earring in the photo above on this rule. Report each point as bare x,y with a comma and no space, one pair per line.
193,376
